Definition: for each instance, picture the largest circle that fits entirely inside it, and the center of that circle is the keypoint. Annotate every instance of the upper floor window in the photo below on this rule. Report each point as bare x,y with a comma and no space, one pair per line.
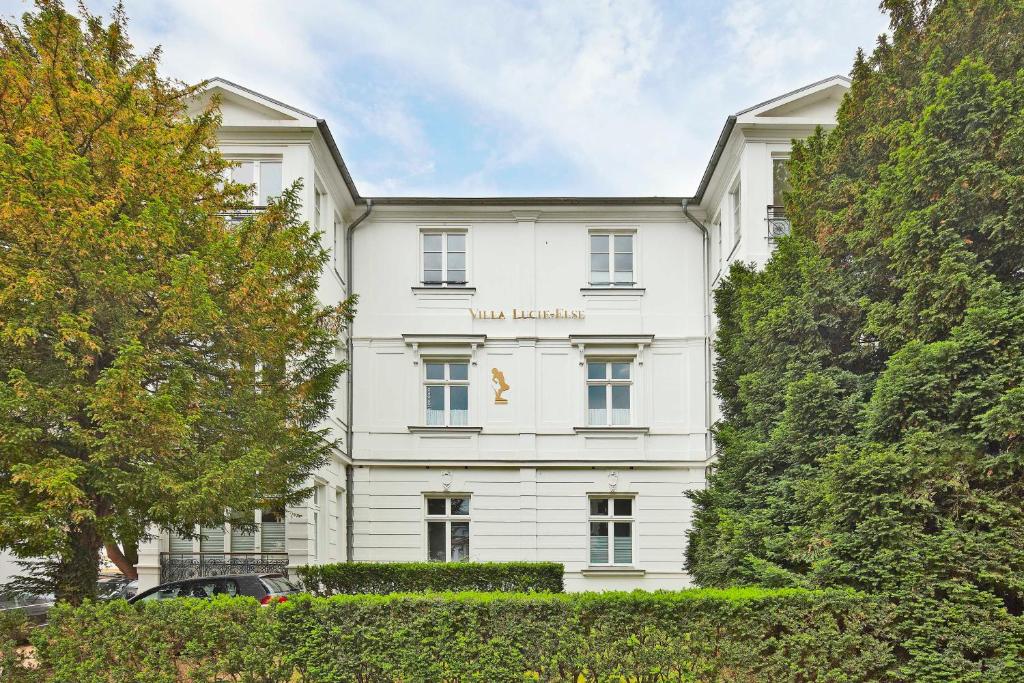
447,528
447,393
339,238
263,175
319,206
609,385
611,259
611,530
736,207
780,180
444,259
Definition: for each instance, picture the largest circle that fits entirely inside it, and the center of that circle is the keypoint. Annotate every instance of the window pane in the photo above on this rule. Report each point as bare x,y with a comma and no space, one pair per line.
599,543
432,276
458,371
624,506
599,506
212,540
620,405
435,405
456,276
459,399
456,242
435,370
599,267
431,243
460,506
270,181
460,541
435,541
272,532
599,244
623,244
597,370
242,541
623,263
243,173
435,506
623,548
780,180
597,408
456,261
432,261
620,370
180,544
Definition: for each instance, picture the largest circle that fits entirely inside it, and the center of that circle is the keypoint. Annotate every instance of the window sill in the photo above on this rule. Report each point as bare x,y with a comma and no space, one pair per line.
451,291
613,291
425,429
612,571
612,430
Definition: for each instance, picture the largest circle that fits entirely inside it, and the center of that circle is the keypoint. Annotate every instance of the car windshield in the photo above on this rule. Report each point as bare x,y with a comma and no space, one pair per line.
278,584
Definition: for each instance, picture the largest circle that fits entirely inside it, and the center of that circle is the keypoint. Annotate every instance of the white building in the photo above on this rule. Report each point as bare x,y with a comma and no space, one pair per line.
531,376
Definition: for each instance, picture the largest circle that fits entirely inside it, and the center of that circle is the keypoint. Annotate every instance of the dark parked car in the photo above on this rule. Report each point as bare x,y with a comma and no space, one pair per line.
34,607
116,588
266,588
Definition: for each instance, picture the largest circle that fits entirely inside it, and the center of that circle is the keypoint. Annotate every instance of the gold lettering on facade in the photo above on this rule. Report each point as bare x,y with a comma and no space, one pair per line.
529,314
500,386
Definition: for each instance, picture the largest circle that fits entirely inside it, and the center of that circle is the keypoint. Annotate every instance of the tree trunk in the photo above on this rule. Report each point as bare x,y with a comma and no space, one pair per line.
122,560
78,568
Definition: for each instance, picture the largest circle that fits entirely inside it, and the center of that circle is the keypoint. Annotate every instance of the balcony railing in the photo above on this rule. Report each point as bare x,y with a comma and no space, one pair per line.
236,216
178,566
778,222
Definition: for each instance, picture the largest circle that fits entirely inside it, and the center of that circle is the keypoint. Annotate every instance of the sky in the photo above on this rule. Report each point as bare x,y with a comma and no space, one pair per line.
502,97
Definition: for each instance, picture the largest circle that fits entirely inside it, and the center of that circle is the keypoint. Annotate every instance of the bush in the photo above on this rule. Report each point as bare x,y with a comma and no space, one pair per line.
700,635
416,577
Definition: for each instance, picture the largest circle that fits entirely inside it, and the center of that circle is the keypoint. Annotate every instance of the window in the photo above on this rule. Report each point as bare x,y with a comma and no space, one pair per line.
339,234
318,516
212,539
611,260
447,385
318,208
609,384
734,202
444,259
447,528
242,541
272,530
611,530
263,175
780,180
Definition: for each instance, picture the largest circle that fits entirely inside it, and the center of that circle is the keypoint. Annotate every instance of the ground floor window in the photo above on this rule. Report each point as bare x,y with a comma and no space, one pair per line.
447,528
612,530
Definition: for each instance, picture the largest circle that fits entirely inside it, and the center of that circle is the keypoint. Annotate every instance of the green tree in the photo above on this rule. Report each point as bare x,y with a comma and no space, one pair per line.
872,376
158,366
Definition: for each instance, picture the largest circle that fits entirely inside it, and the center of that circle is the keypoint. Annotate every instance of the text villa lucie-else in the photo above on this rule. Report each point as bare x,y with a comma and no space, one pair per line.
523,314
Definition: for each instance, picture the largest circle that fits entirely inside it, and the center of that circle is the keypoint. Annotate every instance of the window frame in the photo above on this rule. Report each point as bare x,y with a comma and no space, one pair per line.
611,519
736,213
256,174
608,382
611,234
447,383
448,518
776,158
444,232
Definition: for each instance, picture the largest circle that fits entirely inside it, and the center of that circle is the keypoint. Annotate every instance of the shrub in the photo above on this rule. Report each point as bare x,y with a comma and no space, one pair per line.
415,577
700,635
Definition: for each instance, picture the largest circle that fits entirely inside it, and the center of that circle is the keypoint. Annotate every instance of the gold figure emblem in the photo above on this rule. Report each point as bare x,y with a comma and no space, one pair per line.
500,386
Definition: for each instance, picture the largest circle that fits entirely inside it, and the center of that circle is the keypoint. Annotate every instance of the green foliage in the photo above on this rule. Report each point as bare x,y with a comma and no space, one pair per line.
702,635
157,366
870,376
413,577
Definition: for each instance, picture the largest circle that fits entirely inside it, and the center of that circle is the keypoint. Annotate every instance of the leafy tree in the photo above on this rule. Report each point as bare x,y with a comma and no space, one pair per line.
871,376
158,366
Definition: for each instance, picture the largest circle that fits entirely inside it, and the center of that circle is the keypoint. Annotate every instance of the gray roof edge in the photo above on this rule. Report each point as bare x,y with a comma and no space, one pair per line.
527,201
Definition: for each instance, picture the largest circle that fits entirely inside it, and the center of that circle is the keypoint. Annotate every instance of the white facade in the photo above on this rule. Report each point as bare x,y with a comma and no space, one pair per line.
531,376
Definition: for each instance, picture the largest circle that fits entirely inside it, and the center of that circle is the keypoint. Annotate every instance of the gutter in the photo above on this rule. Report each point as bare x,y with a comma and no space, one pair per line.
349,391
706,286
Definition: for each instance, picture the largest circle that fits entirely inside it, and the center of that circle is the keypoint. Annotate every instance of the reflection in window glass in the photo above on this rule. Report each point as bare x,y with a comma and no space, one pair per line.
436,541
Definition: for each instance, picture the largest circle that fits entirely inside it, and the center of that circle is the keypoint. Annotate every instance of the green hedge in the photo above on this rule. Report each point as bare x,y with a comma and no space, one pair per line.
416,577
701,635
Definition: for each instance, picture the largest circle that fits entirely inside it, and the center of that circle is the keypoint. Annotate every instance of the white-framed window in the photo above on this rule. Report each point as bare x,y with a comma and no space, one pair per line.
264,175
780,180
609,392
318,514
447,526
339,241
612,530
319,207
736,208
716,247
446,384
611,259
444,258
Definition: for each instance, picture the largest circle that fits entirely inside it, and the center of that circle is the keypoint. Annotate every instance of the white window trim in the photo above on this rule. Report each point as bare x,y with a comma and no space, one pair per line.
444,231
608,383
256,161
736,213
338,240
610,518
776,156
447,518
633,232
447,383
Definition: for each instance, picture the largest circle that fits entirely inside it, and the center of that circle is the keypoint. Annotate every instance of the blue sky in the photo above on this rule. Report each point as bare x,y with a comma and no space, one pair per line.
494,97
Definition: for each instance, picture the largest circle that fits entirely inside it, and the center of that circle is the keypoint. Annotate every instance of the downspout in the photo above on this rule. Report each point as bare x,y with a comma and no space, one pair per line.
349,536
706,276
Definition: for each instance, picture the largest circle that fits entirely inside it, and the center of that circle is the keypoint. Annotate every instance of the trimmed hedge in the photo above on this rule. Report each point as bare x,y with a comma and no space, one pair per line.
700,635
352,578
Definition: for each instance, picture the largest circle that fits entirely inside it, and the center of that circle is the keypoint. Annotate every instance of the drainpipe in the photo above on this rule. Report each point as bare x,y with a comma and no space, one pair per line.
349,538
707,326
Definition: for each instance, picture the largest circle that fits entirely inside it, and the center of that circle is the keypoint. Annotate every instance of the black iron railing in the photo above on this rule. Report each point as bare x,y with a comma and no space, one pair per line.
178,566
778,221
